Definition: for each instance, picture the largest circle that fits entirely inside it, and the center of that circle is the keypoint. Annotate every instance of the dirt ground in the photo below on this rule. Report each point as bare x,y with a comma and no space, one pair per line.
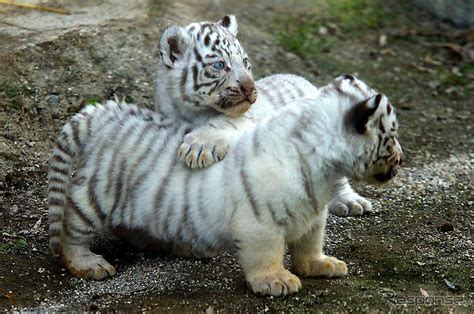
417,246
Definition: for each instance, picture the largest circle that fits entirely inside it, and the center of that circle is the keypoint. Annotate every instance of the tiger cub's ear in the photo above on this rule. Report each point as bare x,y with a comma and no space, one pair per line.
229,22
362,116
173,44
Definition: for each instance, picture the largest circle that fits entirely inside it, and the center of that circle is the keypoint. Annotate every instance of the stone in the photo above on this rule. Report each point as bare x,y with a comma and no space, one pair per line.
459,12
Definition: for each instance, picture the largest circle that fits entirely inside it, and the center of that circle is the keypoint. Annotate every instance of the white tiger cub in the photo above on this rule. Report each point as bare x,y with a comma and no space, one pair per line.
204,78
270,191
204,73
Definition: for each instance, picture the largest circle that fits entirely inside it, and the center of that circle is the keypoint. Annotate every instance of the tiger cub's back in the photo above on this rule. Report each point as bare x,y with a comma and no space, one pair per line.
278,90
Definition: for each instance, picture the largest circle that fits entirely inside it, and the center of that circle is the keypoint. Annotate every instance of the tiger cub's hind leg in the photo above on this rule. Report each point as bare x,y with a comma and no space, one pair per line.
76,254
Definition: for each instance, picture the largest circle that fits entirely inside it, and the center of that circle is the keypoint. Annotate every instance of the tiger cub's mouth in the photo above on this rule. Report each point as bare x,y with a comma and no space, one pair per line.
236,106
383,177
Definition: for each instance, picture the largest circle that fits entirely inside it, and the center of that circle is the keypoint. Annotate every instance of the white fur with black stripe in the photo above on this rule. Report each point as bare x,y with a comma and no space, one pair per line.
215,102
271,190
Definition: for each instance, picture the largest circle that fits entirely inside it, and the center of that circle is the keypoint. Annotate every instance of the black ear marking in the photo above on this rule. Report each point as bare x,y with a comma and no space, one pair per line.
230,23
358,116
174,43
225,21
174,48
348,77
378,98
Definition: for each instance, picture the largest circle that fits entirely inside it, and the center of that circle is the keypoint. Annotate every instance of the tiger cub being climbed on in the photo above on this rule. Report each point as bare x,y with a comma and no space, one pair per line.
270,191
204,78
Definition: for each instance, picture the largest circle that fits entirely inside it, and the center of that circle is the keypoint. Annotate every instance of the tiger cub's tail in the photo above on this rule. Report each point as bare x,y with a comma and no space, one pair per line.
68,145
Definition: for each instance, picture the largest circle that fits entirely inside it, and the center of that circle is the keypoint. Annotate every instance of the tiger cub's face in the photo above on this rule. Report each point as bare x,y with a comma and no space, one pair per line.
373,124
206,67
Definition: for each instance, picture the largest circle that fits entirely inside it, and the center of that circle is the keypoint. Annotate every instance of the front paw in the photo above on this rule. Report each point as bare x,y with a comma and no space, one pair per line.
196,153
278,283
349,205
324,266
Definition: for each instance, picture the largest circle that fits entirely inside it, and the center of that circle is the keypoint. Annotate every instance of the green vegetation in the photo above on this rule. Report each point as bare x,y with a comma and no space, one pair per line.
308,33
17,244
13,94
20,243
92,101
448,78
128,99
358,14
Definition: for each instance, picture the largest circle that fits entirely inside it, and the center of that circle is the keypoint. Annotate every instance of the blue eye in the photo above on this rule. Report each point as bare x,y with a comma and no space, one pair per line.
219,65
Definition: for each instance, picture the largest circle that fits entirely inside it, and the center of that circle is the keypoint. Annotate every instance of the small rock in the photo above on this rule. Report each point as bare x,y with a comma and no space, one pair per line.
456,71
446,227
463,115
291,56
388,51
13,210
450,90
382,40
434,84
323,30
53,98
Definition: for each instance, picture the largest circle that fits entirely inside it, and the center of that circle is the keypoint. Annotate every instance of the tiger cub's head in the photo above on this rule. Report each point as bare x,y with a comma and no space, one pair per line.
204,66
372,125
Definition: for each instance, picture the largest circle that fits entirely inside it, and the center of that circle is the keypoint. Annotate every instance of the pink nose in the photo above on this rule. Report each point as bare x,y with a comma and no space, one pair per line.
247,88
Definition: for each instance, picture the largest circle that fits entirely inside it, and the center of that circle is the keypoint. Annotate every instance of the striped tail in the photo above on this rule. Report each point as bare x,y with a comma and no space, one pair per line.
68,145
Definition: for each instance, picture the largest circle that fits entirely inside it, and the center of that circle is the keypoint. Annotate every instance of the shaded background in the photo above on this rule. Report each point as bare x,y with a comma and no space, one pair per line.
417,243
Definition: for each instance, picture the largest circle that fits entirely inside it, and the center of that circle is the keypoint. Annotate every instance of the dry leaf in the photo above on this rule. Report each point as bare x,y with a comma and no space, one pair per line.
37,224
424,293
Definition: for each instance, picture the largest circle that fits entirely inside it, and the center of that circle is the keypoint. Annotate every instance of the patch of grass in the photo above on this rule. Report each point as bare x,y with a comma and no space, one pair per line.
92,101
340,18
128,99
13,94
358,14
20,243
301,38
448,78
3,247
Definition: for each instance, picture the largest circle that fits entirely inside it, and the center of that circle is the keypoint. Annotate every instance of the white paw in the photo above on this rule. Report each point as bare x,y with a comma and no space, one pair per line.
89,265
349,205
196,153
324,266
279,283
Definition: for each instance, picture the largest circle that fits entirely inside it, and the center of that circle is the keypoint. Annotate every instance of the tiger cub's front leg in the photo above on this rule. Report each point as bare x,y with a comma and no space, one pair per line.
209,144
345,202
308,259
260,250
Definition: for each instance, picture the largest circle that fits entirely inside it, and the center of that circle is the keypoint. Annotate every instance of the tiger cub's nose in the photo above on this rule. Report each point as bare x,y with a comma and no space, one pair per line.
247,87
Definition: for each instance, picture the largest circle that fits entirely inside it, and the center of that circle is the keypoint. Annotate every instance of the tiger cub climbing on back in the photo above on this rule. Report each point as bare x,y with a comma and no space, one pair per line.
204,78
